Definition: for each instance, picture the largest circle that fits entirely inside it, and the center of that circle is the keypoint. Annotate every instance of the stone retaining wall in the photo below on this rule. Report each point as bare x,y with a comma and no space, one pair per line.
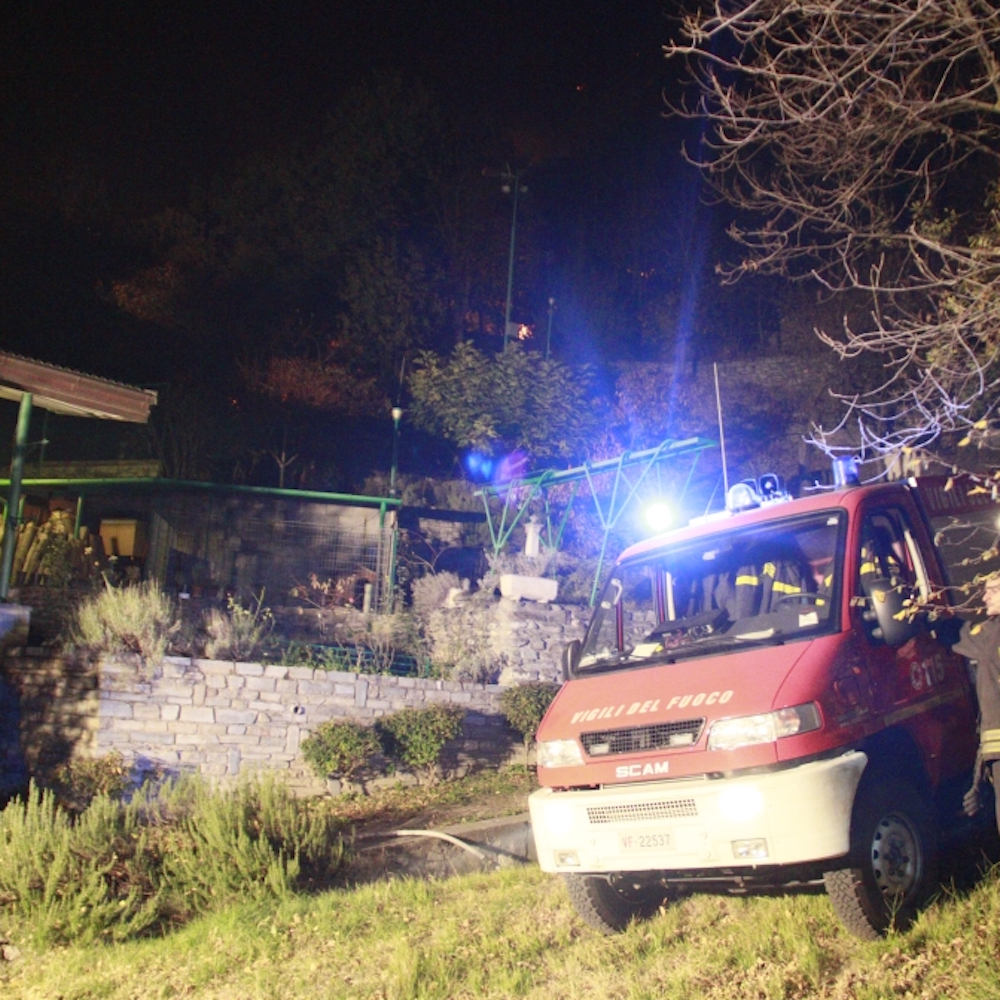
512,641
226,719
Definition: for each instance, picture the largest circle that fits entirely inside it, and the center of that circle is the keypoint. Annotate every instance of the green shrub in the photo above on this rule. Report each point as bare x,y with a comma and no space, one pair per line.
383,636
340,748
253,840
524,706
123,869
415,737
79,781
460,642
429,592
237,632
135,620
79,880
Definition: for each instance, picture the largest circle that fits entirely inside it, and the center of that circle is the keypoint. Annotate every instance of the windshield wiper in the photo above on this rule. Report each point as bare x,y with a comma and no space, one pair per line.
609,662
700,625
773,637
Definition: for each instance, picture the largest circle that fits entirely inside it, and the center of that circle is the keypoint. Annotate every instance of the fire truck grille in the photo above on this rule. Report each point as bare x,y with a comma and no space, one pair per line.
636,811
665,736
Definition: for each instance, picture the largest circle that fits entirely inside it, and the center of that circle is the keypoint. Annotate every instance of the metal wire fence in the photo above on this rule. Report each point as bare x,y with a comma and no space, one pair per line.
309,550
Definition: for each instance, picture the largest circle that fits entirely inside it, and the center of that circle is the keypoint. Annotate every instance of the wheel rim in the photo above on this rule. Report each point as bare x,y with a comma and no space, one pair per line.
896,857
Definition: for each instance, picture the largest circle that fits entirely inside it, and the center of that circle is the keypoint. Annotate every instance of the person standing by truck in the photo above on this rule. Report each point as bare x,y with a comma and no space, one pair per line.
980,641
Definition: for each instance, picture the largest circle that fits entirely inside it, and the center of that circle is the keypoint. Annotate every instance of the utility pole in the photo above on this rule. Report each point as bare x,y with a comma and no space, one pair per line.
397,413
511,183
548,334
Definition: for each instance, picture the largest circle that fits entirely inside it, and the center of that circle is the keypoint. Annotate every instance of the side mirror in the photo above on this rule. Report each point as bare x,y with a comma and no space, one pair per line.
570,658
893,622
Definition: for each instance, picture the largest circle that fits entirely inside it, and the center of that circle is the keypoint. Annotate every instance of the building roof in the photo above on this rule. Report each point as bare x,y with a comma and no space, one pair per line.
72,393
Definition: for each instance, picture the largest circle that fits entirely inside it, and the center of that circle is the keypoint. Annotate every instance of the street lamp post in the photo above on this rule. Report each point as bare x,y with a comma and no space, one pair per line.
511,184
548,334
397,413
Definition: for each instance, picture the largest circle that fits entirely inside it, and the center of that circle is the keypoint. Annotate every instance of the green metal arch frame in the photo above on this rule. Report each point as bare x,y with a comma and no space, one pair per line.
519,493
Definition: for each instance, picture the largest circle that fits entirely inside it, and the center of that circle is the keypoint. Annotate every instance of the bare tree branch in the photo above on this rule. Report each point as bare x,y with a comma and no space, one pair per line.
860,142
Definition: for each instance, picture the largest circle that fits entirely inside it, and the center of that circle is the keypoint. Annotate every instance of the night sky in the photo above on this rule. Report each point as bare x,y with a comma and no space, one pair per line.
113,112
143,99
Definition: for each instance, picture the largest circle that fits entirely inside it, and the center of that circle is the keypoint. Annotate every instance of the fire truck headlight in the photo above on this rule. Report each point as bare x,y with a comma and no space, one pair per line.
559,819
559,753
747,730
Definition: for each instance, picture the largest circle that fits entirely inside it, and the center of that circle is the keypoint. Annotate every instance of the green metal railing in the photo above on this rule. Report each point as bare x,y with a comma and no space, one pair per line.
519,493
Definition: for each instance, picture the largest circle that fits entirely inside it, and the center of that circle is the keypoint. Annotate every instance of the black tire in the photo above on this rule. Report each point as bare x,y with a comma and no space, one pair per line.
609,906
893,861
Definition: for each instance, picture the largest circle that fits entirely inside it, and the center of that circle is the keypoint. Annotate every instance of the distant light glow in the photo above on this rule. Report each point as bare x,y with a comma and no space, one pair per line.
480,467
659,516
511,466
495,469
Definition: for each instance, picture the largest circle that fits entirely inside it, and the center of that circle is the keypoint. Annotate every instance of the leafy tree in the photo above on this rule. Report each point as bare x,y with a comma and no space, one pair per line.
512,400
859,143
193,431
338,231
389,307
471,230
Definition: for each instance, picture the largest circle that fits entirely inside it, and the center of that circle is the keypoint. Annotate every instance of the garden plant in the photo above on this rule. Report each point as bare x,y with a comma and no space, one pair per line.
339,749
415,737
524,705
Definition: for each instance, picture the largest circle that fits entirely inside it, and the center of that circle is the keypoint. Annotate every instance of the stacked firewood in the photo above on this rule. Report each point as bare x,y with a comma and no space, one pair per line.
49,553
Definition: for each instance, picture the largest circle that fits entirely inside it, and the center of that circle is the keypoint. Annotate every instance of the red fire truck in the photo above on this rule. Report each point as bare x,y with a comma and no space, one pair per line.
756,705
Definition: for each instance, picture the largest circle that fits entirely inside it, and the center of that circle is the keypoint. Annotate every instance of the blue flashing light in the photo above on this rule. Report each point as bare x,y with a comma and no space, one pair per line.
845,472
480,467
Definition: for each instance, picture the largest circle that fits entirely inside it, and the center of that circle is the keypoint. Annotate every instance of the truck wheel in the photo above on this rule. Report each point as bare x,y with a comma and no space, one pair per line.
894,856
610,906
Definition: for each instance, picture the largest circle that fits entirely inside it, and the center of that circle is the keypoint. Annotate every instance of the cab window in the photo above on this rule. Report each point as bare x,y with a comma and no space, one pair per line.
889,551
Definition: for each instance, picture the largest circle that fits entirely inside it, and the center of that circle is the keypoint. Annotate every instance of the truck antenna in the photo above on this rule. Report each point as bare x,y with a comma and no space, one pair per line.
722,434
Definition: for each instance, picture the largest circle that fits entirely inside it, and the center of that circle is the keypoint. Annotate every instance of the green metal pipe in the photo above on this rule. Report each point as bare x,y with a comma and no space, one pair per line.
90,485
667,449
14,495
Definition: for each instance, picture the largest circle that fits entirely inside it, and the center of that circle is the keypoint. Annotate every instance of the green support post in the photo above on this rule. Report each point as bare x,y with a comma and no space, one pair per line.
14,497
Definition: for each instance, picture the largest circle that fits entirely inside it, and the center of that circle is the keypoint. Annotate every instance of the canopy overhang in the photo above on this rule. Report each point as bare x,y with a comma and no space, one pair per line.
60,390
71,393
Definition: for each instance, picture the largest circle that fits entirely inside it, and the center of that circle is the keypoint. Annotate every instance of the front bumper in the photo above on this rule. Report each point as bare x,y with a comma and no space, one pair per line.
796,815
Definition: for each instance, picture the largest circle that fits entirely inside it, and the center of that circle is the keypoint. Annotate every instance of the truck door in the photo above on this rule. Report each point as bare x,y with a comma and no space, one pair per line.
919,685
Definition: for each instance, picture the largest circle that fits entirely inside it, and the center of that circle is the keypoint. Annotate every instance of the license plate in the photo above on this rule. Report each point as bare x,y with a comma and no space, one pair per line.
635,843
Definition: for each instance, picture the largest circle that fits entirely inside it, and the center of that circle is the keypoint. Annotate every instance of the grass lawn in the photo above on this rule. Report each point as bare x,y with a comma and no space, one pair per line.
514,934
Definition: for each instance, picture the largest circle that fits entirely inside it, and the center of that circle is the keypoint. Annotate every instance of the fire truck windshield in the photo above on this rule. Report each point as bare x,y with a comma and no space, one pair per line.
769,583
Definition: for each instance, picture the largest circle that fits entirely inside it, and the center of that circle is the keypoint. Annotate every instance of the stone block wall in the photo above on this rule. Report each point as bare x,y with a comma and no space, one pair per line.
519,640
530,638
225,719
54,707
14,629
